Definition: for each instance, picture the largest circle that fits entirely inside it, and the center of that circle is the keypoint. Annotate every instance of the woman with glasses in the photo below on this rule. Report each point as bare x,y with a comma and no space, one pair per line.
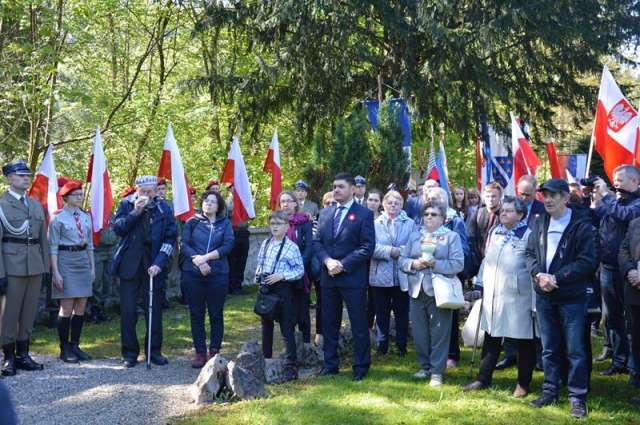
507,299
72,268
207,240
388,285
300,232
431,249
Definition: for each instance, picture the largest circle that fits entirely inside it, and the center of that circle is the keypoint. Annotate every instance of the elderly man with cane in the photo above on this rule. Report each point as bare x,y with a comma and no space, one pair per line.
148,231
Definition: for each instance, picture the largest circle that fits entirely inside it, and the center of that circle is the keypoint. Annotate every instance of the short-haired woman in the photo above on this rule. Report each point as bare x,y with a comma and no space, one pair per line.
279,266
432,249
507,298
300,231
388,285
72,267
207,240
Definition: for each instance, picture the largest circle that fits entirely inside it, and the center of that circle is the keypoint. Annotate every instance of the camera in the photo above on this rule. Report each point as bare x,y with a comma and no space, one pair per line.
261,279
589,181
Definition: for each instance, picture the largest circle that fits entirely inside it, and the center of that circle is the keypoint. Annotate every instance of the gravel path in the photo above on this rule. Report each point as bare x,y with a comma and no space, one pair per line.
102,392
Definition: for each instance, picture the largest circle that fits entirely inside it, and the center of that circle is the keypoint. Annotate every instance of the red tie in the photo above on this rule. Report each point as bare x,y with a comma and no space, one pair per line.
76,216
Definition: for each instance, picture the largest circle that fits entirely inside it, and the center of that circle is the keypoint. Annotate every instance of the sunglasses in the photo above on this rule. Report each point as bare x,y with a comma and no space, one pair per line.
429,214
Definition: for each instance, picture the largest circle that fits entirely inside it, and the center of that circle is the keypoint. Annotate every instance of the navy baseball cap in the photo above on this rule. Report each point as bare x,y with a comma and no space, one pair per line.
555,186
18,166
360,181
301,184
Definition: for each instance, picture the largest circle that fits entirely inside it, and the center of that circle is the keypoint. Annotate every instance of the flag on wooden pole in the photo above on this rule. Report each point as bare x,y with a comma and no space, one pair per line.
171,168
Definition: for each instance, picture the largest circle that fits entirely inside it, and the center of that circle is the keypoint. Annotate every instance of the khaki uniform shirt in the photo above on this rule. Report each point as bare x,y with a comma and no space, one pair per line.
21,259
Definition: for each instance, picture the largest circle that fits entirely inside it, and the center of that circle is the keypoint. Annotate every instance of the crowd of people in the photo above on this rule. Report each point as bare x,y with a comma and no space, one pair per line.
547,267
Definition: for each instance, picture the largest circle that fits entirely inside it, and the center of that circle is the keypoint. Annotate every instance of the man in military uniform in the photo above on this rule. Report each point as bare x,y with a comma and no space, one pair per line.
25,258
103,284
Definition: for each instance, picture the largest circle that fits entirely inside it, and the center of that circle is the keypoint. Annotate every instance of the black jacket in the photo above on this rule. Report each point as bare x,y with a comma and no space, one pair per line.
574,262
614,216
628,258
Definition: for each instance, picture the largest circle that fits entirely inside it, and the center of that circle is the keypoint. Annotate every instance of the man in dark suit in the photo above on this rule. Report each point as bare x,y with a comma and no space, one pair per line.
527,187
148,231
344,243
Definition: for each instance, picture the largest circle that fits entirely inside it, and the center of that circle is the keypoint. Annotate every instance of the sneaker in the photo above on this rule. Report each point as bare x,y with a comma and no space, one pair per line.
474,386
544,400
421,374
436,380
451,363
578,409
604,355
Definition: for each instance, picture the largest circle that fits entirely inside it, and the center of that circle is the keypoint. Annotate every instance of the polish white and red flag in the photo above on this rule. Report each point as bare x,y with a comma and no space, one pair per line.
101,196
45,184
272,165
235,174
525,160
171,168
615,132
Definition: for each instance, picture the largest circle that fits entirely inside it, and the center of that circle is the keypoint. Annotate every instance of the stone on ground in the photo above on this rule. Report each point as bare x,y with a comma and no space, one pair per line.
244,384
210,381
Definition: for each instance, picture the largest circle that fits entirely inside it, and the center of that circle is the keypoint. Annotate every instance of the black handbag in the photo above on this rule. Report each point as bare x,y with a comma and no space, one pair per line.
268,303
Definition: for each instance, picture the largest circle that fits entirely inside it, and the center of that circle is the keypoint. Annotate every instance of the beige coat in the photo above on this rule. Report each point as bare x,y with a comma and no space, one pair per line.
21,259
508,290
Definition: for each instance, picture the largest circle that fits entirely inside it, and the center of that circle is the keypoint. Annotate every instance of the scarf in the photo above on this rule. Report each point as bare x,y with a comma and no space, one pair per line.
517,231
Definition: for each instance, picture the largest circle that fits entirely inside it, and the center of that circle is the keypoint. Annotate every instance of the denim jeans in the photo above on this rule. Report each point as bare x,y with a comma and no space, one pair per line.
562,326
206,293
612,285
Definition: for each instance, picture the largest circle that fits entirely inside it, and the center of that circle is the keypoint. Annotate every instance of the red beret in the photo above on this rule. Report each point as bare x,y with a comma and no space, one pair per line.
70,186
211,183
162,182
128,191
62,180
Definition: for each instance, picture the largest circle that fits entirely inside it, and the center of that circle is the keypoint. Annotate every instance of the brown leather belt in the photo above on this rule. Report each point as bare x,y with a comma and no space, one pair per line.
24,241
72,248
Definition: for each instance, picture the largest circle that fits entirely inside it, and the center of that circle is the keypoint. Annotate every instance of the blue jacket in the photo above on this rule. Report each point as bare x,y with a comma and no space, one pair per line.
157,246
614,216
353,246
200,236
413,208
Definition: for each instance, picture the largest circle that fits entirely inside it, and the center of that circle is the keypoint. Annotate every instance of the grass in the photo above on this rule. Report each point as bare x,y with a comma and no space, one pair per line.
389,394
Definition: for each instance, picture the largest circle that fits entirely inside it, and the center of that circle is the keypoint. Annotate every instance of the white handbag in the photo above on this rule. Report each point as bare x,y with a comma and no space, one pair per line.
448,291
471,326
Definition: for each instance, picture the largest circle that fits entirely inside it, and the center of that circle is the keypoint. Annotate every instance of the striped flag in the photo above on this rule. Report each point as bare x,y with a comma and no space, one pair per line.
235,173
45,184
171,168
272,165
101,197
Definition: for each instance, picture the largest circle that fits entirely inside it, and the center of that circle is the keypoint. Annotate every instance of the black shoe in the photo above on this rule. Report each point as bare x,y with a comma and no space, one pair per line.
634,380
290,374
614,370
544,400
325,372
23,359
359,376
507,362
474,386
129,363
81,355
158,359
66,353
9,366
402,352
606,354
578,409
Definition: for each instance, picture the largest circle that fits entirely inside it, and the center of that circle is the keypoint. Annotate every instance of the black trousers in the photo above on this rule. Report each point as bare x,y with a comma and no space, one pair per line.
129,292
301,306
634,329
491,351
238,259
318,290
454,341
287,323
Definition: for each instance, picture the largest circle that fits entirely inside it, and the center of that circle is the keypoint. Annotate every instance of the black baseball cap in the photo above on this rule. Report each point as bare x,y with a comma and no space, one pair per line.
555,186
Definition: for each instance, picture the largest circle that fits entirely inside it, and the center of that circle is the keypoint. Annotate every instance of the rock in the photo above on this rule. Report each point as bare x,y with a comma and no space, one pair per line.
274,371
210,381
307,354
305,373
251,359
244,383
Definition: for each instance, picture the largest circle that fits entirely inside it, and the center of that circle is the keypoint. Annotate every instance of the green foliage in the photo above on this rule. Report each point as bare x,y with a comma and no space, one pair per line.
350,145
389,162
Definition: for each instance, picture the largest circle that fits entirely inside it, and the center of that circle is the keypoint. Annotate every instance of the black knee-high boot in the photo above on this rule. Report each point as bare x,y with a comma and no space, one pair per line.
76,330
66,354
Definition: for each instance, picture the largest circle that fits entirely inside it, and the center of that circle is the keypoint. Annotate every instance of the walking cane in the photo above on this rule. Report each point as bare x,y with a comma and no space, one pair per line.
150,321
475,340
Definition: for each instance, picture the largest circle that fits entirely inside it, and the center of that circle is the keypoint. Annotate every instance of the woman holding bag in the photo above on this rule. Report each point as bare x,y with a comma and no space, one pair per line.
507,297
432,250
207,239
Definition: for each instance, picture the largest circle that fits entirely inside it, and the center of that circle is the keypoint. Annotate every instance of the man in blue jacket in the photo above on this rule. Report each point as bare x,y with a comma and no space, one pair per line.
560,258
148,231
614,214
344,243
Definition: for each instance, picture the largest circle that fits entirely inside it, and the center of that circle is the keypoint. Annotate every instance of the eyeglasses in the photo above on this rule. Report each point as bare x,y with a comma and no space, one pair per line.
277,223
528,195
430,214
287,201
